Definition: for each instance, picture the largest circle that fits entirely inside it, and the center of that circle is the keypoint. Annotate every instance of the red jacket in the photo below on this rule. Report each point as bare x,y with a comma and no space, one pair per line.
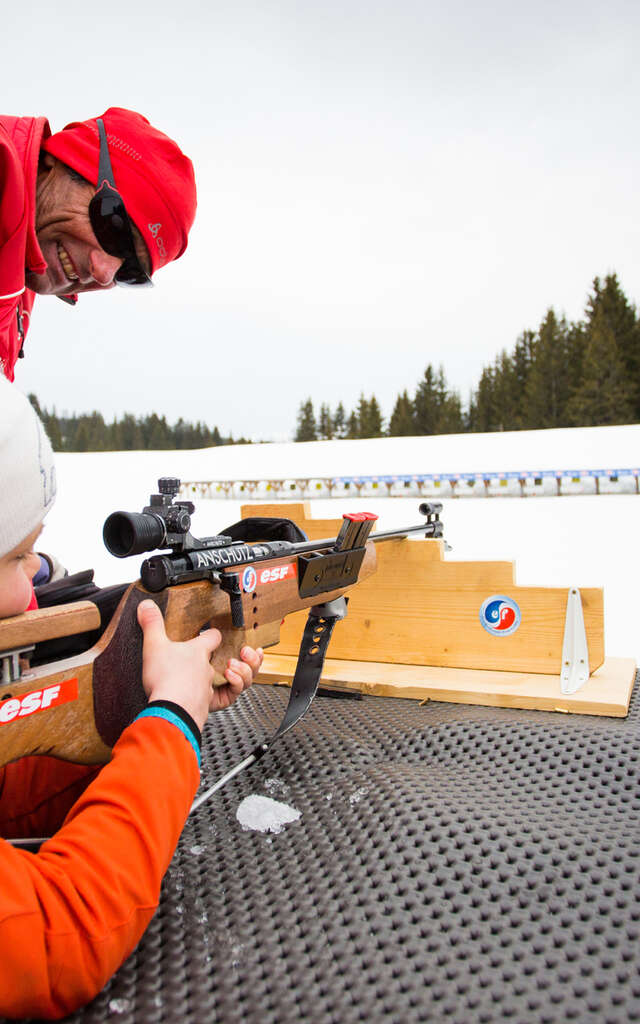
20,139
70,914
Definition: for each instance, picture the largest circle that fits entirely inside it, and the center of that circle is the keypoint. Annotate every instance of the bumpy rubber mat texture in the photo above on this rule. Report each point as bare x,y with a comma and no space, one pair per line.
450,862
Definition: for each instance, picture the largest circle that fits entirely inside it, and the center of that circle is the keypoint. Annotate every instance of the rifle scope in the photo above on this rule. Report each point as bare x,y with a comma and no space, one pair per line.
131,533
162,524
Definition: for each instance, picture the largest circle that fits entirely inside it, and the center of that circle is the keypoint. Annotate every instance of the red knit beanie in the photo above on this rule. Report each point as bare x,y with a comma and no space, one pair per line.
152,175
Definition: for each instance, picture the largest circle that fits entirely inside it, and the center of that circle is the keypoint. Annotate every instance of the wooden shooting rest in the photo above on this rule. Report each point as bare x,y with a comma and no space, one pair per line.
413,630
48,624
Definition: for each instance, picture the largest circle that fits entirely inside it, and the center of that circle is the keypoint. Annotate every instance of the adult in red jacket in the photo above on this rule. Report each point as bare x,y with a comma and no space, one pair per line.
105,201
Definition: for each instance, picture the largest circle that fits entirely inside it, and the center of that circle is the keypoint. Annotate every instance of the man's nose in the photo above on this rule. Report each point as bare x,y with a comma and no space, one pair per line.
103,267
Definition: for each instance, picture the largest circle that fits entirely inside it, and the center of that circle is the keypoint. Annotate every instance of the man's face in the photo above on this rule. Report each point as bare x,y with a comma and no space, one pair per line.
75,261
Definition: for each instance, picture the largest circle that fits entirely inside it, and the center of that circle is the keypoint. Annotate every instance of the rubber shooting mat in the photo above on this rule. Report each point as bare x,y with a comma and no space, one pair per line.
450,862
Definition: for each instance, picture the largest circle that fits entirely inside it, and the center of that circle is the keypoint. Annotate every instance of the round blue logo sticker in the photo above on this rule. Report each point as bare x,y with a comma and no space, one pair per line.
249,579
500,615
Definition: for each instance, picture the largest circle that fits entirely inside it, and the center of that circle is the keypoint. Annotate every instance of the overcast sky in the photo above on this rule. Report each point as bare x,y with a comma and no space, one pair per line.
381,185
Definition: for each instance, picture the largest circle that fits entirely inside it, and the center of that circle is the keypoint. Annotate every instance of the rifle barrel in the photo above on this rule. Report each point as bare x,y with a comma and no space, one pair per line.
429,529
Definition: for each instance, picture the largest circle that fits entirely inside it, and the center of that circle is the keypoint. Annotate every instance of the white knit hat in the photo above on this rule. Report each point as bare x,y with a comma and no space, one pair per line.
27,472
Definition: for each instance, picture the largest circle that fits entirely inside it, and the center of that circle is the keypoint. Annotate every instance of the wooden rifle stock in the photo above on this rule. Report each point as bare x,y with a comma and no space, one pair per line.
76,708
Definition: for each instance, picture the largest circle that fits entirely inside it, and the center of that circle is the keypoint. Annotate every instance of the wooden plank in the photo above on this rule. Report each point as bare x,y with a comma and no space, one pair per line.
606,692
48,624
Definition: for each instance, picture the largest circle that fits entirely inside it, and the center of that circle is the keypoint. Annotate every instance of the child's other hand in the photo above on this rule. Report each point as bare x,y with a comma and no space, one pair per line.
239,673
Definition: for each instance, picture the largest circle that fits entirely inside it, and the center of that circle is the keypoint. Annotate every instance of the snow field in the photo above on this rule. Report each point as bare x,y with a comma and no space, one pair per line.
584,540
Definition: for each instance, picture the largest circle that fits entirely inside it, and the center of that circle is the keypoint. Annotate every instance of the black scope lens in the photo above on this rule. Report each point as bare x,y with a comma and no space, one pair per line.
131,533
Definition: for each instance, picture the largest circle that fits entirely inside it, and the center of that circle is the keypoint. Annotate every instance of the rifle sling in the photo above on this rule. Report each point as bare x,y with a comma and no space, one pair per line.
313,648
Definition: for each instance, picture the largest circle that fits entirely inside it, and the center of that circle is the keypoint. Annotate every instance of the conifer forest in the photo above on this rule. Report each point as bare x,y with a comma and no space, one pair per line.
564,374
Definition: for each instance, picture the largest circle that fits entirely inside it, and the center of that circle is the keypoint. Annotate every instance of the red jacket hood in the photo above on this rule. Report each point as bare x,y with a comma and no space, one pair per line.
20,140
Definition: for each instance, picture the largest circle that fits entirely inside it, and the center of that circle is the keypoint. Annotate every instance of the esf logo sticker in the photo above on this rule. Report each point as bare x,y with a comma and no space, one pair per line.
278,573
249,579
500,615
38,700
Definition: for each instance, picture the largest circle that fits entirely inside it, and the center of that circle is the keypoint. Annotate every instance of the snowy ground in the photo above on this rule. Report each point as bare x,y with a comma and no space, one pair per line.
579,540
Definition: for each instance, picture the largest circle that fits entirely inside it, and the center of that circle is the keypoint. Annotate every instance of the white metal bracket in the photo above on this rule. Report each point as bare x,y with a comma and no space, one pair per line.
10,668
575,656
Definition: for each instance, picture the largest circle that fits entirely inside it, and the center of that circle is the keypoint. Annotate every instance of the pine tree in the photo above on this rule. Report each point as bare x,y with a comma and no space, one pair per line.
362,416
402,422
353,426
129,434
426,403
483,416
449,419
605,394
609,301
548,385
306,429
339,421
81,439
451,415
325,424
156,433
52,427
180,435
502,395
369,417
521,361
96,432
376,422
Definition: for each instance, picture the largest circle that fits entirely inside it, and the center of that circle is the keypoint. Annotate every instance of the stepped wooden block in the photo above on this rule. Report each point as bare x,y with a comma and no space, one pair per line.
418,609
414,630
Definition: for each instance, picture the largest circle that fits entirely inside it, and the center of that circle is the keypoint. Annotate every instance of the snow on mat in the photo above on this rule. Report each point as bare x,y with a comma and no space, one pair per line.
262,814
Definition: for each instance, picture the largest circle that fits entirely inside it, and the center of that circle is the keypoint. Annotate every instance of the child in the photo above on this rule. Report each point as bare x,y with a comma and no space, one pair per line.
70,914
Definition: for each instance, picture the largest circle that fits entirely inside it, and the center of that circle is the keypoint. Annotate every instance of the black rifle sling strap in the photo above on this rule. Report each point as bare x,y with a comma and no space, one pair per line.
313,648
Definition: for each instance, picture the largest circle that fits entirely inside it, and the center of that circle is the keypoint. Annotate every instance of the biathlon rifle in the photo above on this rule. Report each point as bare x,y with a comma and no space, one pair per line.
77,707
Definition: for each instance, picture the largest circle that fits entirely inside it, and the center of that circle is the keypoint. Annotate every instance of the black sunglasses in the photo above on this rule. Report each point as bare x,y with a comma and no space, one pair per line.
110,221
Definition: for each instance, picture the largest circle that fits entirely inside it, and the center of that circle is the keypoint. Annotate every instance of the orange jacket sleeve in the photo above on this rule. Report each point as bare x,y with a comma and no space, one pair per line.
70,914
37,793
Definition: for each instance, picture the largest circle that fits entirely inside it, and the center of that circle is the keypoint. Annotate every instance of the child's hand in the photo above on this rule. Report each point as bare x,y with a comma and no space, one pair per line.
182,672
239,676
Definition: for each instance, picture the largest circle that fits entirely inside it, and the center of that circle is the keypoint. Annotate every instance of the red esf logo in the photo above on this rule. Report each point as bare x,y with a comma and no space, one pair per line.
250,577
38,700
277,573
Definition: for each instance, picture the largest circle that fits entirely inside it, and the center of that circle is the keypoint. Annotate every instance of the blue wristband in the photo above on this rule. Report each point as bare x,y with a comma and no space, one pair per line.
157,711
